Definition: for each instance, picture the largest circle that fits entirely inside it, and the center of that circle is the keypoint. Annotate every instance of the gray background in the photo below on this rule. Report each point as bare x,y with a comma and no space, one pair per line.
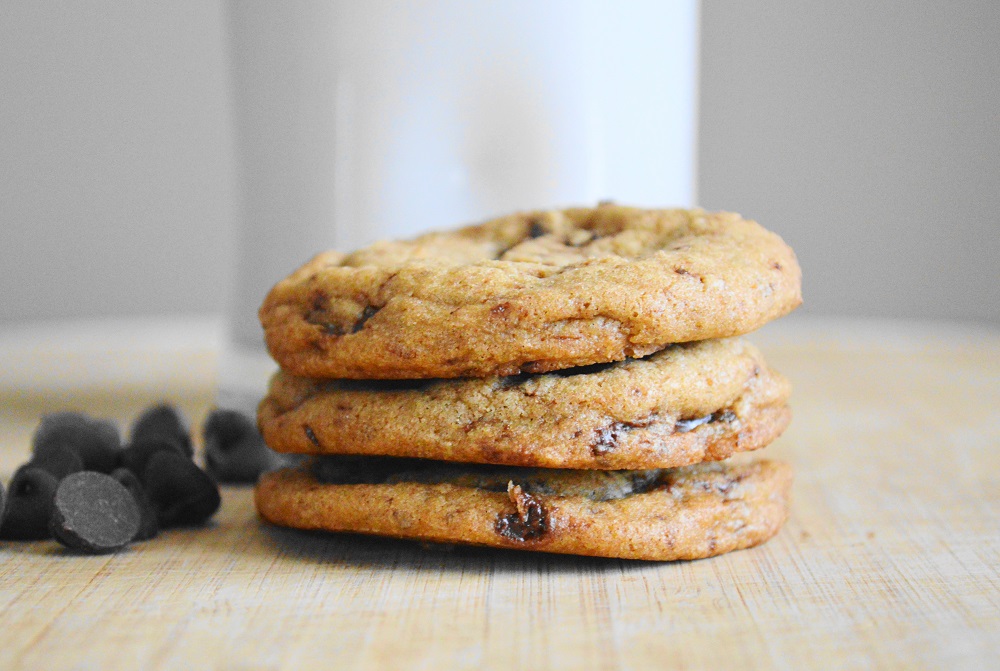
867,134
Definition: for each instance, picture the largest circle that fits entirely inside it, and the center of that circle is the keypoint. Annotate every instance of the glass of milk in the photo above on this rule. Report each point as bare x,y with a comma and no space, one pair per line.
357,120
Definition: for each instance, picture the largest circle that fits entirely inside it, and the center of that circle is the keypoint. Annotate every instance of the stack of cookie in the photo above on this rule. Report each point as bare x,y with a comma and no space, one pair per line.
563,381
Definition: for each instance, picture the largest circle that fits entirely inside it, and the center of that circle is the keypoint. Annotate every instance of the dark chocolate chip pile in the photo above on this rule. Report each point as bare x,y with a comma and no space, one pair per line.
181,493
92,512
93,494
29,504
96,442
149,525
162,422
234,449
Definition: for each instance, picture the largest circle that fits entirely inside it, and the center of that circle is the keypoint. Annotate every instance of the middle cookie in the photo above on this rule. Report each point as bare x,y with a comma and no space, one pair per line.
687,403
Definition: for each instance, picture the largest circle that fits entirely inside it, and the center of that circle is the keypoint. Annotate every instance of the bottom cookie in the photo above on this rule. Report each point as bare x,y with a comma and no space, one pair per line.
680,513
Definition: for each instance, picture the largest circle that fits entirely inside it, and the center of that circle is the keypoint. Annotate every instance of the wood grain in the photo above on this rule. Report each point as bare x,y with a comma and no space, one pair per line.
890,558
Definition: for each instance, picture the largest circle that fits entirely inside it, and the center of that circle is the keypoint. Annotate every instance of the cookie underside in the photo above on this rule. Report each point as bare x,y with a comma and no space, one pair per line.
684,513
531,292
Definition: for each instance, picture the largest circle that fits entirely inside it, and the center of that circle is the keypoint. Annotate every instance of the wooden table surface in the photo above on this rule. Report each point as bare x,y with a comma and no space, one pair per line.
891,557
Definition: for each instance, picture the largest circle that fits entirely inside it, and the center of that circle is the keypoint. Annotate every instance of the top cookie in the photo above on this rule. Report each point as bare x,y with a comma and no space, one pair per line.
530,292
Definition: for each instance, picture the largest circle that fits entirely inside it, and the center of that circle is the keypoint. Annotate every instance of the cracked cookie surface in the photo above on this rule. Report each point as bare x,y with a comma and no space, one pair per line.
530,292
684,404
684,513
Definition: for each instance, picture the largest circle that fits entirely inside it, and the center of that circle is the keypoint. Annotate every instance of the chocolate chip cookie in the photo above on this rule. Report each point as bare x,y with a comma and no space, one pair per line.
530,292
684,404
684,513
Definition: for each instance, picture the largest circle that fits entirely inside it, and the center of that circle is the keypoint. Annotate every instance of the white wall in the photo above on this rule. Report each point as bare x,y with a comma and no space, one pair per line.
865,133
116,185
868,134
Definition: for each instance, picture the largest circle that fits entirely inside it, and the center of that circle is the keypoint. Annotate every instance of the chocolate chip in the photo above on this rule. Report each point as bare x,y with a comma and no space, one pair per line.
95,441
234,449
137,455
536,230
148,525
529,522
162,422
330,328
606,438
367,314
29,504
59,460
225,427
93,513
181,492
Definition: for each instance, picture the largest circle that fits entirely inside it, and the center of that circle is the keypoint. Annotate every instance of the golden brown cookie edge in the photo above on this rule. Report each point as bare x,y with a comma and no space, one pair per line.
501,335
563,432
705,519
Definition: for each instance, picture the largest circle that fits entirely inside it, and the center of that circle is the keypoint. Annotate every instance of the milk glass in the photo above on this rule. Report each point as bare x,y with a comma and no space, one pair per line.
364,119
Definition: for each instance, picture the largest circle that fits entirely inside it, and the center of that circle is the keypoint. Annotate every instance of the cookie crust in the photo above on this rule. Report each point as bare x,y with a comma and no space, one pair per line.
530,292
685,404
688,513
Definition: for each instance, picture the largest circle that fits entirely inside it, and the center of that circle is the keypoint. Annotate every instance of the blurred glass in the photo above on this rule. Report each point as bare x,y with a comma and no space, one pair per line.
364,120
